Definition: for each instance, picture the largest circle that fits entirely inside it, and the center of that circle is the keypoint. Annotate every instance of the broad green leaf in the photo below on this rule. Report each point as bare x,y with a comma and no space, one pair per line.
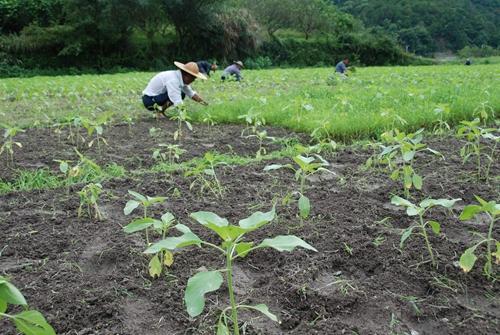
154,200
10,293
155,266
130,206
395,175
468,259
138,196
206,218
264,310
219,225
222,328
469,212
64,167
170,243
448,203
417,181
139,224
407,180
406,234
304,206
243,247
398,201
199,285
285,243
32,323
436,227
257,219
303,162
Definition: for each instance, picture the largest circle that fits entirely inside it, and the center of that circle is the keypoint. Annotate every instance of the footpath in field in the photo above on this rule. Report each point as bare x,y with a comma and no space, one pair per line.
89,277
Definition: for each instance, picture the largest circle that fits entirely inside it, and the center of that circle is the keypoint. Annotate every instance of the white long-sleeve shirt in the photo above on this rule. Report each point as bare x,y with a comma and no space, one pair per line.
171,82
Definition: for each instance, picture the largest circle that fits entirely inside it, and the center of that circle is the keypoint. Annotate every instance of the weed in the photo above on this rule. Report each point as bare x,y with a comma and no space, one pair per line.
168,153
205,175
89,197
474,134
179,114
9,143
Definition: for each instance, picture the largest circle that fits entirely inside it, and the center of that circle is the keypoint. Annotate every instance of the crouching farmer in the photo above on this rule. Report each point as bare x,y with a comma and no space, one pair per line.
169,88
233,70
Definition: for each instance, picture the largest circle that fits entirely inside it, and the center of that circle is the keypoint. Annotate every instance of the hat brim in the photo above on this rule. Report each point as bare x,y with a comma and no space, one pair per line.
239,64
183,68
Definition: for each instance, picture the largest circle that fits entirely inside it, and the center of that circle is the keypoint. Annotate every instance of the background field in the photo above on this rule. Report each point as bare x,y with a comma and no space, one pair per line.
370,101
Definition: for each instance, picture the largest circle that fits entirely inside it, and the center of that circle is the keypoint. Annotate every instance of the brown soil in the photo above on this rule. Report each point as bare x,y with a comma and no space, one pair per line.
89,277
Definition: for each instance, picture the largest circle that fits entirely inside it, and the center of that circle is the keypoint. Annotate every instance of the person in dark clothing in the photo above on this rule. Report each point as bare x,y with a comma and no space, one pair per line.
468,62
341,67
205,67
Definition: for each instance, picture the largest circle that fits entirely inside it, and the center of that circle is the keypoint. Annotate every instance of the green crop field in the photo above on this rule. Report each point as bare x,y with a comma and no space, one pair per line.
369,102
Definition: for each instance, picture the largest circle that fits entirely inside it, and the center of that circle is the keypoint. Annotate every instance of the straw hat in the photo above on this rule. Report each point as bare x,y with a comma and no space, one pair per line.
192,69
238,62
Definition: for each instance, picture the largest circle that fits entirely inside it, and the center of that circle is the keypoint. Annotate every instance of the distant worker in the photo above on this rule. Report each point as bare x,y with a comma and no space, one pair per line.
233,70
341,67
169,88
205,67
468,62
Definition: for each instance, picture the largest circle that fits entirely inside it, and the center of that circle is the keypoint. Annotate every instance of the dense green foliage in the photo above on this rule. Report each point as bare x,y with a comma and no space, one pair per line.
370,102
426,26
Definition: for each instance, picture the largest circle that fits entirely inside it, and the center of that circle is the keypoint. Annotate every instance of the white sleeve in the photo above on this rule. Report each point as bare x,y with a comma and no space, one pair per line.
174,92
188,91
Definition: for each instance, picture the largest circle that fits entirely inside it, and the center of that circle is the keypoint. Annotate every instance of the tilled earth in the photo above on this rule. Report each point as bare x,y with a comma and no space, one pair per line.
89,277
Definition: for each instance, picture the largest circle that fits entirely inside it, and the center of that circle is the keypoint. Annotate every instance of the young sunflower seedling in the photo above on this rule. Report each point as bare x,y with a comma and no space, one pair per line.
180,115
474,134
168,153
89,197
163,257
143,201
205,175
399,156
492,210
306,167
442,127
233,247
28,322
9,143
420,210
261,137
253,122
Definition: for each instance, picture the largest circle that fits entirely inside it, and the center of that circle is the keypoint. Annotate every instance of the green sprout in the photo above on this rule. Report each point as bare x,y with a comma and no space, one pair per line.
253,122
28,322
205,175
180,115
442,111
9,143
420,210
474,135
163,257
233,247
261,137
399,156
89,196
145,202
468,258
306,167
171,154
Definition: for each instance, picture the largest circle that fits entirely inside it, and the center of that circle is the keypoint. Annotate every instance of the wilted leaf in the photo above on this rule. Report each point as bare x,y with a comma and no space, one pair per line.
264,310
285,243
398,201
406,234
138,196
273,167
448,203
155,266
468,259
168,258
199,285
